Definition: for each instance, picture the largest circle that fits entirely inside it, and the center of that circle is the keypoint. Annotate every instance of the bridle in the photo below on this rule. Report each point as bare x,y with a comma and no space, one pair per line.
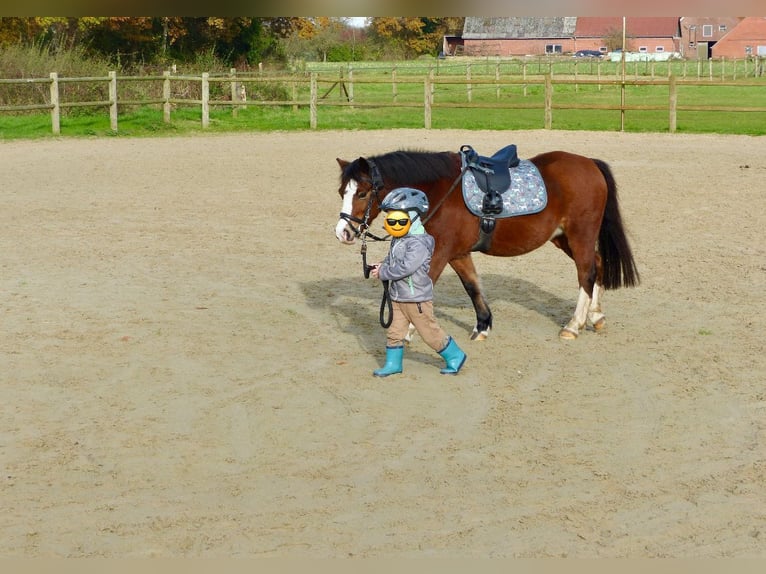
363,231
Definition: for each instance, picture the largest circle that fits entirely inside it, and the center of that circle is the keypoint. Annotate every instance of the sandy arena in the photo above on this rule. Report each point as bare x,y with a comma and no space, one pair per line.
186,354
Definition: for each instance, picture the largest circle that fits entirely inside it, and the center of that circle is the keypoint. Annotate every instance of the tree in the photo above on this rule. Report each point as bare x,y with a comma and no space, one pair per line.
321,38
409,37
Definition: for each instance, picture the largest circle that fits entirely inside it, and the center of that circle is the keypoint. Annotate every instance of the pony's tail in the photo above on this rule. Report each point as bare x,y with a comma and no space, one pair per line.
619,268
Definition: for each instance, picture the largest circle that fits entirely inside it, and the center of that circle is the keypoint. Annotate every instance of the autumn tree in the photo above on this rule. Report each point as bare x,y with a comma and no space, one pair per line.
409,37
321,38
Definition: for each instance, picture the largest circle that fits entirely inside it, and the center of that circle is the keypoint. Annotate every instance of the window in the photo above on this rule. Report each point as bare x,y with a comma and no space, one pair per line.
707,31
553,49
722,27
643,49
748,50
659,49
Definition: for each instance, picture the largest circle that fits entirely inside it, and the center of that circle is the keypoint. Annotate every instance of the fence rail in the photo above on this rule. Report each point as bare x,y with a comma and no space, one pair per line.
308,85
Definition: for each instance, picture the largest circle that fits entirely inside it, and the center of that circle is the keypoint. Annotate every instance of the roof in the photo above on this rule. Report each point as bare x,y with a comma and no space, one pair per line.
482,28
635,27
752,28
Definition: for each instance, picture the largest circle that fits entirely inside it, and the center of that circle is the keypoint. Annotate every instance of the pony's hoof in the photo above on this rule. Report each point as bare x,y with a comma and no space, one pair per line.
599,325
479,336
568,334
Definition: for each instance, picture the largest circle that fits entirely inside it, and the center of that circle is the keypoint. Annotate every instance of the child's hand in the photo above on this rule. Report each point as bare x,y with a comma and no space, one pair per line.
375,271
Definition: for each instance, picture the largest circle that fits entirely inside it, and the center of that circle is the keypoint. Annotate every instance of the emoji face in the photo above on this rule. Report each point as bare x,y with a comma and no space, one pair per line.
397,223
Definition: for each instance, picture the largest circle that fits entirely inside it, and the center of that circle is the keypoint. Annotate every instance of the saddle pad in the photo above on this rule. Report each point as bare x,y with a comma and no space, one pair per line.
526,194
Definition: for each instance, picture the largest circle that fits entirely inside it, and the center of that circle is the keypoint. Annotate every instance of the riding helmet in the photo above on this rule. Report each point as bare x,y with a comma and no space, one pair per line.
405,199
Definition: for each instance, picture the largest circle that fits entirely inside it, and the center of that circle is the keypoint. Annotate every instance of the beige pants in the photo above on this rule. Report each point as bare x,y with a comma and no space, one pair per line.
421,315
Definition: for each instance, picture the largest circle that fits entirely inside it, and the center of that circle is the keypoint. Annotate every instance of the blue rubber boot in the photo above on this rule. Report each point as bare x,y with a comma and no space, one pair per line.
393,364
454,357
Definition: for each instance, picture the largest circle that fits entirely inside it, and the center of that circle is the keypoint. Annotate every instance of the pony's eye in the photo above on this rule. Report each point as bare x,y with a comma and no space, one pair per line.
363,194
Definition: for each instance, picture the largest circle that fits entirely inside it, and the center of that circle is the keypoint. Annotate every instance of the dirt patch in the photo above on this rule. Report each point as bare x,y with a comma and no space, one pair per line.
187,352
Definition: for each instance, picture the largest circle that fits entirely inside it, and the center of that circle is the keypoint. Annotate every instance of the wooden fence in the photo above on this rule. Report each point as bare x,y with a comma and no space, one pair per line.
237,89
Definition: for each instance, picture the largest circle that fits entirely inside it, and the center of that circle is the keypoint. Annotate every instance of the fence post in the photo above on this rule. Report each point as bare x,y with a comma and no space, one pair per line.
205,99
393,83
598,73
427,102
313,101
548,102
576,86
524,76
672,104
433,84
113,100
234,88
497,79
468,85
351,85
166,97
55,110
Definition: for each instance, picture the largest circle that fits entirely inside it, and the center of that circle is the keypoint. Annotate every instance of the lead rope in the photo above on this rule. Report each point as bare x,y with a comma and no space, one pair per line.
385,302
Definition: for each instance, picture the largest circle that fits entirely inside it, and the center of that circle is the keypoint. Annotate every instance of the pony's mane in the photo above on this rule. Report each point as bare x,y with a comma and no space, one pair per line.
409,167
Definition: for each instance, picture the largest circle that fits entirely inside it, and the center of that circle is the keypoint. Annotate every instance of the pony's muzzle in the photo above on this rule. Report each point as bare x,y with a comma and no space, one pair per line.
344,234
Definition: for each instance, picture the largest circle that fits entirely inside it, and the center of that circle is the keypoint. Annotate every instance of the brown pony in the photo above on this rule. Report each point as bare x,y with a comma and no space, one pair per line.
581,217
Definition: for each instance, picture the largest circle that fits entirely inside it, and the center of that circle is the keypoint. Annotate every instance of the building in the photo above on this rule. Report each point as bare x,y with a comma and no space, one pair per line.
690,36
700,34
642,35
747,38
519,36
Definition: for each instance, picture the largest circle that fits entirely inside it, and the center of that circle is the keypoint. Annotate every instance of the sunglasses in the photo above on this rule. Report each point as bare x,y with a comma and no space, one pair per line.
401,222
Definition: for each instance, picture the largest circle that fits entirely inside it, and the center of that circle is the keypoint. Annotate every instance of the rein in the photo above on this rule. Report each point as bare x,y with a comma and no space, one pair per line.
446,195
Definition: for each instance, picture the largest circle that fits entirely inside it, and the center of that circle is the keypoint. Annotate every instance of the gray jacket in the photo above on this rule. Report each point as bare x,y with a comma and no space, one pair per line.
406,267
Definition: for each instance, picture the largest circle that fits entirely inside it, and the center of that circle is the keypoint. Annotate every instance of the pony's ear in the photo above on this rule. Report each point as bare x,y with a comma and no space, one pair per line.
342,162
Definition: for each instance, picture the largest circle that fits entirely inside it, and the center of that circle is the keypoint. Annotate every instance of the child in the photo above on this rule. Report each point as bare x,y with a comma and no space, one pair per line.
411,289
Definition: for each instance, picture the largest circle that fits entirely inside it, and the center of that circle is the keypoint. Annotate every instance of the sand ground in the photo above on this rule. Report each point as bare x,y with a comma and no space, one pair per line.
186,353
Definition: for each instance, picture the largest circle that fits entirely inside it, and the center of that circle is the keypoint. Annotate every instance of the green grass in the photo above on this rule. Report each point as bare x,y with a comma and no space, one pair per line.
374,95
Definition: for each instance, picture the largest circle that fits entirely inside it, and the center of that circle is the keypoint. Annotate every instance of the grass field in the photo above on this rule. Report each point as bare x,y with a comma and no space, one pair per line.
484,95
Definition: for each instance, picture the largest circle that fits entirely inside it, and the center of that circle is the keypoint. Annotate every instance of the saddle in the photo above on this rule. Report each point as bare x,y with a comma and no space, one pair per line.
492,174
499,186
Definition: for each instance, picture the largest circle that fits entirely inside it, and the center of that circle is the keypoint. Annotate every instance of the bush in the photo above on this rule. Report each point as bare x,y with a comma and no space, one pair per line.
38,61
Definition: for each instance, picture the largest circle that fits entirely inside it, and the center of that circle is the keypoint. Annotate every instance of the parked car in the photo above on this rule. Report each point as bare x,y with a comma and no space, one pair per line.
588,54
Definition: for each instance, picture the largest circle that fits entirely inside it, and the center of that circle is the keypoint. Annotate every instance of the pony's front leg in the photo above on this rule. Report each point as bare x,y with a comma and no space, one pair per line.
466,271
571,330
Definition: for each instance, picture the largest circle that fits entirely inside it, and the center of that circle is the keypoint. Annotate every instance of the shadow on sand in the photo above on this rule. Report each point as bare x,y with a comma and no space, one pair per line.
352,304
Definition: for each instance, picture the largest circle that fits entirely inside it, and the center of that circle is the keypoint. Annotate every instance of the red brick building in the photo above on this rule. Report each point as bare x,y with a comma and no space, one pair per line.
520,36
700,34
690,36
748,38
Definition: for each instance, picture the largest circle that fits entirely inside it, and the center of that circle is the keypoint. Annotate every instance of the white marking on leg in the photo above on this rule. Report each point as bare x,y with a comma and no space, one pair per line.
348,198
577,322
595,316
